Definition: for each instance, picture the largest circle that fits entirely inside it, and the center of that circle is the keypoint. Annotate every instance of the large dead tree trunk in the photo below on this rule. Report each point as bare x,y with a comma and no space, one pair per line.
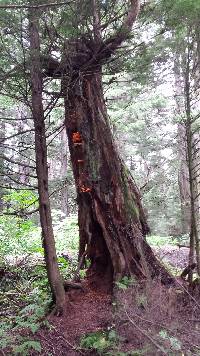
53,273
111,219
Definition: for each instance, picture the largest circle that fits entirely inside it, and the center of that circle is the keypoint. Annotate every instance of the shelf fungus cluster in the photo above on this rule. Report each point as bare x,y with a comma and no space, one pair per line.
84,189
76,138
84,186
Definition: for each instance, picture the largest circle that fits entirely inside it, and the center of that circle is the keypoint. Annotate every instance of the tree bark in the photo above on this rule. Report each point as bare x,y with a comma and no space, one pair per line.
63,172
194,238
2,180
183,174
53,273
112,223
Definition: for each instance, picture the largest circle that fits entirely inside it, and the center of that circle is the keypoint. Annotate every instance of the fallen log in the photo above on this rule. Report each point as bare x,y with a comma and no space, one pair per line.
72,285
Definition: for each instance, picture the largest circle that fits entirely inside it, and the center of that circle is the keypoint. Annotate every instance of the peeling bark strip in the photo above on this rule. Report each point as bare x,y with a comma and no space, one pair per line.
41,165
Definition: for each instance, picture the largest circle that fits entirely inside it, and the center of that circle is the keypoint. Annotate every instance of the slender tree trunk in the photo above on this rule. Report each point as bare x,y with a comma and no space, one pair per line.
54,277
183,181
2,180
196,189
111,219
196,147
194,240
197,69
196,175
183,174
193,227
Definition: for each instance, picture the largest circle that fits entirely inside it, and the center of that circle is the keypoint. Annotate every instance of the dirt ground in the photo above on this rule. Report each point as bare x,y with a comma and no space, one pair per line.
150,318
86,311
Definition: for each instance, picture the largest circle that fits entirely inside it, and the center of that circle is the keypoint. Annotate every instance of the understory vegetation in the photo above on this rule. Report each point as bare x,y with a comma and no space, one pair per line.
24,292
25,295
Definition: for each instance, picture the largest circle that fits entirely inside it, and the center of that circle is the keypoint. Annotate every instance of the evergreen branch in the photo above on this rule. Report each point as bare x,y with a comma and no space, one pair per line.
196,176
16,119
18,152
55,131
10,160
122,34
14,188
20,213
16,134
20,183
14,173
23,213
196,196
193,168
53,4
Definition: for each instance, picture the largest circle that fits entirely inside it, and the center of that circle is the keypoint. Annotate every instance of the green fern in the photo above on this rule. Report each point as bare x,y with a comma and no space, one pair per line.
24,348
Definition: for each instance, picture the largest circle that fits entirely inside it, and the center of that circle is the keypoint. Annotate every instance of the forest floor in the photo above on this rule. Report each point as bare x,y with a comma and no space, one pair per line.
86,311
136,319
147,319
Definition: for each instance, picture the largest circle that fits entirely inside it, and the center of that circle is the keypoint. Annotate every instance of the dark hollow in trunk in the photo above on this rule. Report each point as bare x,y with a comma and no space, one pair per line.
111,219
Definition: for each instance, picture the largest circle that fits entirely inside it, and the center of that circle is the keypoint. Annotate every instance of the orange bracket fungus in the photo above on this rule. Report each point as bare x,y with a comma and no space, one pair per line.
76,138
83,186
85,189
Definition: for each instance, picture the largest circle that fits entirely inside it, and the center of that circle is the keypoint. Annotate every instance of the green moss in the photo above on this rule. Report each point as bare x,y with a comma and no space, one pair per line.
93,164
133,209
129,197
94,169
